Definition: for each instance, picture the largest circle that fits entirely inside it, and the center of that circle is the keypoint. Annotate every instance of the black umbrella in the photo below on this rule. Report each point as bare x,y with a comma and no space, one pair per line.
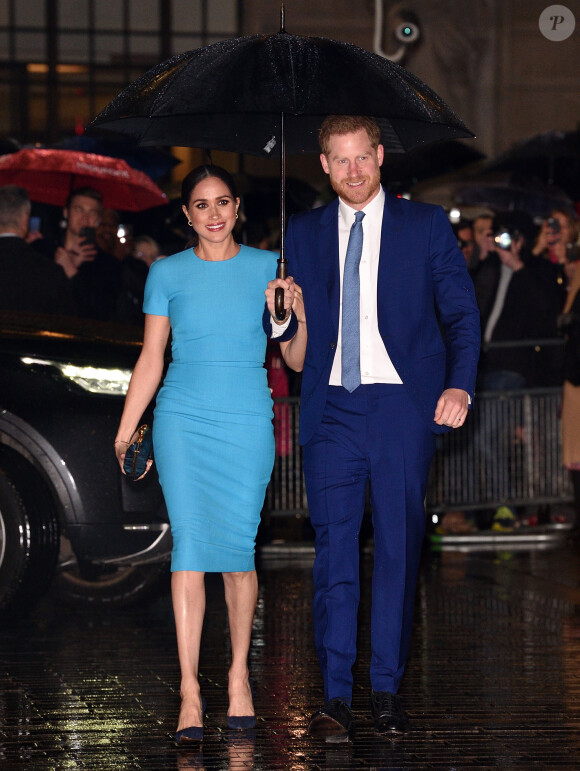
403,171
267,95
504,191
552,157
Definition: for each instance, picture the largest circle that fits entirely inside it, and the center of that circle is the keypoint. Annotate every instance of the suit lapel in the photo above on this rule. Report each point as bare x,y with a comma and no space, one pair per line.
329,267
390,248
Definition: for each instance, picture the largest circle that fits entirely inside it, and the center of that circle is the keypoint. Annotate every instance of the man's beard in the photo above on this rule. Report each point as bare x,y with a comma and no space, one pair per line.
354,196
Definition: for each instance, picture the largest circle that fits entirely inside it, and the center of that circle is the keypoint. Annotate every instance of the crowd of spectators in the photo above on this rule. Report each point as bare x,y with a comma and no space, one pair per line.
93,269
524,274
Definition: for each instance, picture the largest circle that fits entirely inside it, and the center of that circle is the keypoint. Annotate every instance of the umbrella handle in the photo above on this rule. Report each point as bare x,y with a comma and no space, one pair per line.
282,272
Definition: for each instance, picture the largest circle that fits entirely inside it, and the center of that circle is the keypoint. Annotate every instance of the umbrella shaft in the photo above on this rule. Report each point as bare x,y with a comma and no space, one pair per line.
282,190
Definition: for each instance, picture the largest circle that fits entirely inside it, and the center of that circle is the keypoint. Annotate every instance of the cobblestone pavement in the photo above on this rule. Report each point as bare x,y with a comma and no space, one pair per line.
493,680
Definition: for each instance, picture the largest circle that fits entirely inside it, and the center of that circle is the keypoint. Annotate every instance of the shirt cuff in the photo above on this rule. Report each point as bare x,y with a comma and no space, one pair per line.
279,329
283,333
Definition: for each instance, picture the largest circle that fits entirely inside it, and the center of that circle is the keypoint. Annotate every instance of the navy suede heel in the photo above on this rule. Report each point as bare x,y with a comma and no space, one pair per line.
242,722
194,734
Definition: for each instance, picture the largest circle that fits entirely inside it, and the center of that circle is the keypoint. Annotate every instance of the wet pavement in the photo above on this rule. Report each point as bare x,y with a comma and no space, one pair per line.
493,680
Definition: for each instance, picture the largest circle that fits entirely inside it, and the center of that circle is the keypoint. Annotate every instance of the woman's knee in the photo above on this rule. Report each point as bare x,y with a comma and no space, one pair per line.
240,578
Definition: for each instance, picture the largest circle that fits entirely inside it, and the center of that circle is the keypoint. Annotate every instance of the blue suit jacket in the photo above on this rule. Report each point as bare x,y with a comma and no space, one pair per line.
421,269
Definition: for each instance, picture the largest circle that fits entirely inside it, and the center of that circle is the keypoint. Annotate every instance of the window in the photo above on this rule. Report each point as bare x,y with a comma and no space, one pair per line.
63,60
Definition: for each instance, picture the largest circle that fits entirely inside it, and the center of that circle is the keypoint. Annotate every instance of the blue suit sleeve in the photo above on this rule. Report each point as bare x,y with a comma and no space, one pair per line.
287,335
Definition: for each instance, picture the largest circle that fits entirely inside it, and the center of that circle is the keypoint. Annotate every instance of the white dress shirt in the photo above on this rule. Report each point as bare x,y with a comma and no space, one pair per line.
375,364
505,277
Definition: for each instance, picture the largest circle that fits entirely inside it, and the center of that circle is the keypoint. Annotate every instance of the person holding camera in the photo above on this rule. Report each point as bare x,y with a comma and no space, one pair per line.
517,306
516,303
557,243
95,275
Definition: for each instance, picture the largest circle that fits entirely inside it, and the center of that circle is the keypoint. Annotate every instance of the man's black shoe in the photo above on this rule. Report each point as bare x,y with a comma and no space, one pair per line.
333,722
388,713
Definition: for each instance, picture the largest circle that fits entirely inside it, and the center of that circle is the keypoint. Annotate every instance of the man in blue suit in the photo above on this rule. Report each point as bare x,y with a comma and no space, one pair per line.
379,382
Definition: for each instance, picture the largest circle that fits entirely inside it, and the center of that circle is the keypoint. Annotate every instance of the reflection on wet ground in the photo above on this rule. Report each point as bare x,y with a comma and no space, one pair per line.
493,680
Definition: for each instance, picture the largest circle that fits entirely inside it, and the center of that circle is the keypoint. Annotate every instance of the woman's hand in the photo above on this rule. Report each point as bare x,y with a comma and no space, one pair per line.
543,240
121,450
288,285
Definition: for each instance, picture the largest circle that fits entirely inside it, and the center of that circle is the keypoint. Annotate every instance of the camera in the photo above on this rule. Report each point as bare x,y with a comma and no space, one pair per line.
554,225
504,238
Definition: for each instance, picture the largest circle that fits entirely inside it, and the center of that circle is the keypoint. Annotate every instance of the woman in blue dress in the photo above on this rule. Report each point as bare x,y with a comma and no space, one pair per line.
212,431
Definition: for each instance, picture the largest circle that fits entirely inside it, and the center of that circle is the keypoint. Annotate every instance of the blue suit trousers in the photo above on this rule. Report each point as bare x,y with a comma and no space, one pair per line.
374,434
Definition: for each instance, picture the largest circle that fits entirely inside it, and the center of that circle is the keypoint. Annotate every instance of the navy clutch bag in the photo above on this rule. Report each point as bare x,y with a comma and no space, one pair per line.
138,453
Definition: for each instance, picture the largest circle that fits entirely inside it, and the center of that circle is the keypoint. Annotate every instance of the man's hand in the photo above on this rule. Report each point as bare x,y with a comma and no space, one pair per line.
70,260
451,408
84,252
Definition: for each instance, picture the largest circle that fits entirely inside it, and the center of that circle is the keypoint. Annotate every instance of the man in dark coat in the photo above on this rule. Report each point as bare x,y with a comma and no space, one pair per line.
95,275
28,281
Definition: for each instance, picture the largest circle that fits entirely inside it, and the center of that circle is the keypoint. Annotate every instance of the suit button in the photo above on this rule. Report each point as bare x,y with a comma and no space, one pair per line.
332,345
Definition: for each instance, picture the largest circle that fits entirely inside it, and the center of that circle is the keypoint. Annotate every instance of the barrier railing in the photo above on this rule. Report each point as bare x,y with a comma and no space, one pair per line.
508,451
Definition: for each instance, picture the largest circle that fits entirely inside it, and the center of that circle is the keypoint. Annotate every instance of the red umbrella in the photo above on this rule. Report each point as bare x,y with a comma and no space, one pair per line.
50,175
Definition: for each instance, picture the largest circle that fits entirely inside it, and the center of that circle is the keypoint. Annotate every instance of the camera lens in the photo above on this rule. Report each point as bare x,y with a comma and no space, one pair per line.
503,239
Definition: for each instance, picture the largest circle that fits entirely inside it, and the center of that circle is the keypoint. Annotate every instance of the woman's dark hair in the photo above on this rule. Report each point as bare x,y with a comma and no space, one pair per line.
204,172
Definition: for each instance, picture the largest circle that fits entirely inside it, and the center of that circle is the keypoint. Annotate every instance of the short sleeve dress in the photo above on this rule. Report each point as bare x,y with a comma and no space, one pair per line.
212,431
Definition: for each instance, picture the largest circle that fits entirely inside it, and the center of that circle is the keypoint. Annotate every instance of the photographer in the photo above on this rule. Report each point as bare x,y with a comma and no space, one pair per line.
94,274
516,302
557,245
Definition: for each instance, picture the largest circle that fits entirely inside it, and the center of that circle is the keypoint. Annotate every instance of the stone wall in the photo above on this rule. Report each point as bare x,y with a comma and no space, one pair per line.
486,58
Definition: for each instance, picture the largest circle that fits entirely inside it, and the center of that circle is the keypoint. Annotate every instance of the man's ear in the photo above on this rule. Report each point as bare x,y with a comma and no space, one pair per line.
324,162
380,154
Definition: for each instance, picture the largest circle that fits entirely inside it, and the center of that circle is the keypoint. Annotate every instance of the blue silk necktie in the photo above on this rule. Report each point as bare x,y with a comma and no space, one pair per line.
351,307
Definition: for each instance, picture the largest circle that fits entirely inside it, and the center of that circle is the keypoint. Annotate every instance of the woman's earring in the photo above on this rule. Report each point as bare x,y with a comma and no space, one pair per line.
190,223
236,215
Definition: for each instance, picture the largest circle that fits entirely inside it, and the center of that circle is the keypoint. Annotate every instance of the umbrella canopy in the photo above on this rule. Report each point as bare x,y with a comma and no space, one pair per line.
51,175
153,161
403,171
231,96
267,95
552,157
509,192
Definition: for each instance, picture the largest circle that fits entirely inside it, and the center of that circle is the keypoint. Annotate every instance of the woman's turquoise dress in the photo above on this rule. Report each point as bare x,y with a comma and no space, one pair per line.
213,438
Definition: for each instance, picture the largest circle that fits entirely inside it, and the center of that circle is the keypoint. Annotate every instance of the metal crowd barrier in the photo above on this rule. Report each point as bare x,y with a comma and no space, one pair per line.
508,451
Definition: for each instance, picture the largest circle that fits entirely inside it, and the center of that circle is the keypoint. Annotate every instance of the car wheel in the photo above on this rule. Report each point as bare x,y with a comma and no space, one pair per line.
80,583
29,545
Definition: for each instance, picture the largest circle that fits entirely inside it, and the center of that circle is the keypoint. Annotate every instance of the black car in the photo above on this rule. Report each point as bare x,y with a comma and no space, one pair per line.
68,517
